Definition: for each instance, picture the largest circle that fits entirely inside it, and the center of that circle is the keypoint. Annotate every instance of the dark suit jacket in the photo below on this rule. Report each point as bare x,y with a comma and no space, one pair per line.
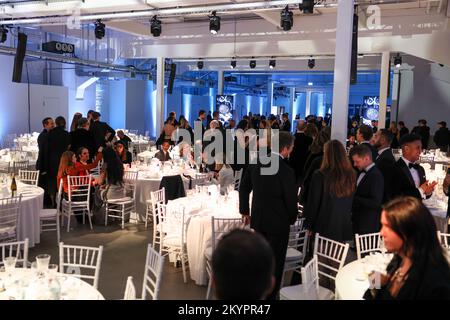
274,203
403,131
83,138
403,182
313,163
300,153
42,162
386,163
327,214
366,209
58,142
161,156
286,126
99,129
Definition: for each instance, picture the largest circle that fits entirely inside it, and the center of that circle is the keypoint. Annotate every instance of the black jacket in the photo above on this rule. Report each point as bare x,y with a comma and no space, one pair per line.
58,142
300,153
42,162
366,209
83,138
424,133
442,138
99,129
274,203
403,182
286,126
403,131
327,214
313,163
386,163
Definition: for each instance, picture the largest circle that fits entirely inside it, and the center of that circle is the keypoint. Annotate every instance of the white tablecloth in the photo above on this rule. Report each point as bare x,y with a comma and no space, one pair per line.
351,281
18,285
29,222
199,231
439,212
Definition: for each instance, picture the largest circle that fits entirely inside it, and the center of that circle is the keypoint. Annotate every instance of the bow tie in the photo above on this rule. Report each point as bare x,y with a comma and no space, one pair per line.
414,165
362,171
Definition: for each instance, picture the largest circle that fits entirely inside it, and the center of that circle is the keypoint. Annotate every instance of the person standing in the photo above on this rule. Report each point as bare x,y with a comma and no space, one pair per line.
442,136
102,132
286,125
42,163
363,136
366,209
403,130
82,137
423,131
385,161
274,203
301,149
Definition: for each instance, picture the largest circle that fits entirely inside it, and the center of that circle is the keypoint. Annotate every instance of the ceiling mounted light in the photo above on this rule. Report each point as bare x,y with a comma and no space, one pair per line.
311,63
233,64
3,34
252,64
200,64
398,61
155,26
214,23
99,29
307,6
272,63
287,19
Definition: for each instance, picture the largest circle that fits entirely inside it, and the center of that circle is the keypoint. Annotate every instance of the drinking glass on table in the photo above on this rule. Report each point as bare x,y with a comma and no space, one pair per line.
9,263
42,262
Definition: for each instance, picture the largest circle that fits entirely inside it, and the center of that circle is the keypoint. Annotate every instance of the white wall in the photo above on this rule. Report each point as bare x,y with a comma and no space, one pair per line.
424,93
44,101
137,101
117,104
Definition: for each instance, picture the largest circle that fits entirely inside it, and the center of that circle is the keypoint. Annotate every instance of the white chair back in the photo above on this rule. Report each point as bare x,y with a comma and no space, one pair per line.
29,176
18,249
154,263
18,165
130,179
331,256
298,237
96,171
130,290
157,197
237,179
9,218
76,260
201,179
367,243
221,226
310,274
79,188
444,239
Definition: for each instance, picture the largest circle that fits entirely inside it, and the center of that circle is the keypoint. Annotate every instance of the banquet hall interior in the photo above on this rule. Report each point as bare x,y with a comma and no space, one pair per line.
103,196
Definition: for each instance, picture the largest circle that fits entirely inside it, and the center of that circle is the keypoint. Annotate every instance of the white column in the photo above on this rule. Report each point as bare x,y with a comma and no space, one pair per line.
308,103
269,96
220,82
160,67
384,84
342,70
291,107
394,95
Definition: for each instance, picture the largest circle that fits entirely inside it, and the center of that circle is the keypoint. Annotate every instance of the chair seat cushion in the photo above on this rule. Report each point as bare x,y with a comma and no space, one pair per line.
47,213
299,292
121,200
293,254
172,241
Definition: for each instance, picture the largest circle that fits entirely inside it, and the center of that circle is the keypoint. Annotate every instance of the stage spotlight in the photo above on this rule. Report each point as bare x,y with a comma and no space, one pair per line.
200,64
233,64
99,29
252,64
307,6
272,63
155,26
214,23
3,34
311,63
398,61
287,19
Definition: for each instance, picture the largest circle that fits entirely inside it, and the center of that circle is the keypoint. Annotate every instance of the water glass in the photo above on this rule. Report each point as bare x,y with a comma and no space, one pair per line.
52,269
43,261
9,263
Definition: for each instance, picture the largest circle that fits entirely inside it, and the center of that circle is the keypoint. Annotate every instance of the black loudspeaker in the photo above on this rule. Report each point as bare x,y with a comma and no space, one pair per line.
20,55
173,71
354,63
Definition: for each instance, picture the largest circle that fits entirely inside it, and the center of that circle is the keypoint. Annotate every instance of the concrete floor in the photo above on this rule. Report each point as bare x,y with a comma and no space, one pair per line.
123,255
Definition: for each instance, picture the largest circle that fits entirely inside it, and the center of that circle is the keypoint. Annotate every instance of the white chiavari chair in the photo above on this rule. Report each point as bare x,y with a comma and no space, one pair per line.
18,249
9,218
77,202
154,263
367,243
29,176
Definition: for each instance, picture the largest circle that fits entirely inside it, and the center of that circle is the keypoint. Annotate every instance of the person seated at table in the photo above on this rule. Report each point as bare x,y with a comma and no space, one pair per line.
186,154
111,175
243,265
163,154
124,139
419,269
122,152
223,175
82,161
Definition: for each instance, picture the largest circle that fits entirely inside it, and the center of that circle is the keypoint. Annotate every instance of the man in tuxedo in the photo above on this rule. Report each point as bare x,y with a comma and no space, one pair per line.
301,149
363,136
163,154
274,203
385,160
366,209
101,130
409,177
286,126
42,163
82,137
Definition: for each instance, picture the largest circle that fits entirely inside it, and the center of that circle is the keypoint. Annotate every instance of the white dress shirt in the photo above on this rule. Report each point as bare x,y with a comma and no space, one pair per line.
416,178
362,174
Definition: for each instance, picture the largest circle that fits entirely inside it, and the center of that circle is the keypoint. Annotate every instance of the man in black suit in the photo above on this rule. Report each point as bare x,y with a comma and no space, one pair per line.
301,149
42,163
126,140
403,129
423,131
82,137
274,203
409,176
163,154
385,160
201,118
101,130
366,209
58,142
286,126
442,136
363,136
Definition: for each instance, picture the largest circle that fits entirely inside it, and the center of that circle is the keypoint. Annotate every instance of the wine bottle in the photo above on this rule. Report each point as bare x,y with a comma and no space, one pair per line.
13,186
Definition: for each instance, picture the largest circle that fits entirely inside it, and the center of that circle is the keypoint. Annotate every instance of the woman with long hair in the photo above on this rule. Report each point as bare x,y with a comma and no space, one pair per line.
74,125
330,198
111,175
124,155
419,268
